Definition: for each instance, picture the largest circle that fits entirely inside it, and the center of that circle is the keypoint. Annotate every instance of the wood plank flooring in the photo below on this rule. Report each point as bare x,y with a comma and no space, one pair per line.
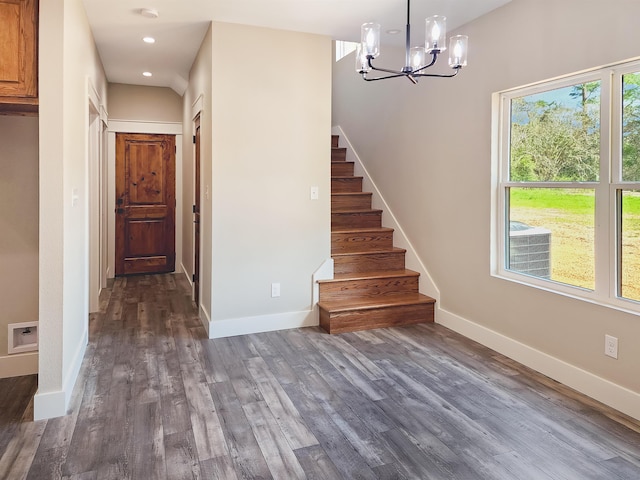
157,400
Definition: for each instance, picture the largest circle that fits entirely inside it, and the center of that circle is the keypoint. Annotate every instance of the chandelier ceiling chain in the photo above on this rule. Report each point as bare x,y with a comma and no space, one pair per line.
416,57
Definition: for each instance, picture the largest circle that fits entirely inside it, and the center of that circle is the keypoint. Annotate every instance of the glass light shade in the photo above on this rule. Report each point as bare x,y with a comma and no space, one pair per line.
417,57
362,64
435,40
370,39
458,47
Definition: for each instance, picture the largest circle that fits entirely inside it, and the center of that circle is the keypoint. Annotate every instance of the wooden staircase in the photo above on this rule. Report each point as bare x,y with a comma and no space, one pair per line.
371,287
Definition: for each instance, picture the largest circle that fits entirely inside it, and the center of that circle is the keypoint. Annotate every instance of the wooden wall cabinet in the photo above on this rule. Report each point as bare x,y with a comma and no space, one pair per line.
18,56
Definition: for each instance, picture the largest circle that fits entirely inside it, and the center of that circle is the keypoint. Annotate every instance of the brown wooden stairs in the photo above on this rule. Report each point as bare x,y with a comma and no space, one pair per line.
371,287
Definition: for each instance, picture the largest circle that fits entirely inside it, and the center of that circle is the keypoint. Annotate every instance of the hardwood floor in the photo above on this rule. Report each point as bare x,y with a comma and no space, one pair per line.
155,399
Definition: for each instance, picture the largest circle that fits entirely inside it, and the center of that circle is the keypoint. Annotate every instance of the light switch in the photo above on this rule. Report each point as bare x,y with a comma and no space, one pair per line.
314,193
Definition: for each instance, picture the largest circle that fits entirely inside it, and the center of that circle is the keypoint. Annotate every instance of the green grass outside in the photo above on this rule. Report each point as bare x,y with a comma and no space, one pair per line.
569,214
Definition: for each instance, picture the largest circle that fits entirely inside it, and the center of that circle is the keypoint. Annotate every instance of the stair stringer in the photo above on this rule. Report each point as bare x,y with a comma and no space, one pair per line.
412,260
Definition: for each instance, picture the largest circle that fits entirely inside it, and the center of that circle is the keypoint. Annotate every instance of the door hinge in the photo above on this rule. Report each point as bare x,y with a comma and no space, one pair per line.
193,277
194,209
194,139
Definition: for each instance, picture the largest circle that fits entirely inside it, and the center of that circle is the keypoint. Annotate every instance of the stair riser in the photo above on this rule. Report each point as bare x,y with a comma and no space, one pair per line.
351,202
375,288
376,318
368,263
342,169
345,185
361,242
338,154
356,220
334,141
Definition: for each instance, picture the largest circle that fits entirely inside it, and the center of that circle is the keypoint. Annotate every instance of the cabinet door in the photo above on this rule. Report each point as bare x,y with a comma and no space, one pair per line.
18,46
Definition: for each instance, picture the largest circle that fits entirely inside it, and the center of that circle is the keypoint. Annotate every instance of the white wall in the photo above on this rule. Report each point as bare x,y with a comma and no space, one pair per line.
19,237
269,142
197,99
137,102
428,148
68,61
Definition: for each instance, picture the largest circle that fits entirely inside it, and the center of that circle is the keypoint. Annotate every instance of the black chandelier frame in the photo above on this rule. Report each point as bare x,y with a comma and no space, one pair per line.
407,70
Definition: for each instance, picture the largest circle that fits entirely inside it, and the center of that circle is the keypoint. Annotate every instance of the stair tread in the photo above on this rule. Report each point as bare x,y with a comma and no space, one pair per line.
362,230
350,193
371,252
342,277
367,303
341,177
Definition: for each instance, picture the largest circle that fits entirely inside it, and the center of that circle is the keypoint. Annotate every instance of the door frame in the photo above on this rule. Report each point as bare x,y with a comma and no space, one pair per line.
96,186
132,126
196,115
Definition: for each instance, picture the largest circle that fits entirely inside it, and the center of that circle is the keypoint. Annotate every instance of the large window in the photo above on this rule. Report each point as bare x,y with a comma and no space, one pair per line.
568,201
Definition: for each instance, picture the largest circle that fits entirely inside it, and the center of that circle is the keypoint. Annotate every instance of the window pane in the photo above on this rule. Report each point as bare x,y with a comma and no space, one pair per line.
630,245
631,127
551,234
555,135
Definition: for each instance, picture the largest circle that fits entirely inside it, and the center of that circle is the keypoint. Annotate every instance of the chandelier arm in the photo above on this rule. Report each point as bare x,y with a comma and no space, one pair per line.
434,58
436,74
384,78
394,72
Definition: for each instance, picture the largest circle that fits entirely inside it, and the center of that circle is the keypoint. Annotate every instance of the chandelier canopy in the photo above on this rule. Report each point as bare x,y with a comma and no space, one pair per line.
416,58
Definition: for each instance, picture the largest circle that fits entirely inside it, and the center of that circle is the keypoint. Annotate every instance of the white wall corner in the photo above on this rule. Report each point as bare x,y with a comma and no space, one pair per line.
400,239
598,388
262,323
324,272
197,106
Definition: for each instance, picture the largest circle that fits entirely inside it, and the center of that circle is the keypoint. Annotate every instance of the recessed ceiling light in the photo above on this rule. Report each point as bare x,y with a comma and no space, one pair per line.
393,31
147,74
149,12
149,40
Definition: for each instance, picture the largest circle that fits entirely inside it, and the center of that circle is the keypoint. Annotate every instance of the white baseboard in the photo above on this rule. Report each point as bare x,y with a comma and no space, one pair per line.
19,364
183,270
609,393
262,323
205,319
49,405
54,404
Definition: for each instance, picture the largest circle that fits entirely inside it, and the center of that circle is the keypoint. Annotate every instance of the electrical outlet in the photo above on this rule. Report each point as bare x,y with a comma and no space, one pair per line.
275,290
611,346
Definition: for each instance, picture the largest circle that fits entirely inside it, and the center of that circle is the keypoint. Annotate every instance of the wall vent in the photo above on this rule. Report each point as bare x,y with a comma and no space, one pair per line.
23,337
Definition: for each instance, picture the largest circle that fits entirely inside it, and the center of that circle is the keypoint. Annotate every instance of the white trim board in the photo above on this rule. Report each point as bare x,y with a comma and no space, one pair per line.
54,404
19,364
134,126
262,323
598,388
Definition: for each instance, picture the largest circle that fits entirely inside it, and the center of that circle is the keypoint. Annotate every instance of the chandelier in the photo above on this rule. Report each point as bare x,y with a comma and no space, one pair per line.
416,58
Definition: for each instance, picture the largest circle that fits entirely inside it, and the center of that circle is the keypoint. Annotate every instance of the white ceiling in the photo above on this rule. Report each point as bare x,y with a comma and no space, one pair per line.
118,27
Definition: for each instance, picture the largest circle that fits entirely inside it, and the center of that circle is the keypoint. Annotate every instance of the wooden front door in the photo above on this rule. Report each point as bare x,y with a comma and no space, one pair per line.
196,218
145,203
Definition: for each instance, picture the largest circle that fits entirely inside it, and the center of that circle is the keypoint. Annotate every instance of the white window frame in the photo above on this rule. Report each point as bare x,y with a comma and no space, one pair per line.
606,221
